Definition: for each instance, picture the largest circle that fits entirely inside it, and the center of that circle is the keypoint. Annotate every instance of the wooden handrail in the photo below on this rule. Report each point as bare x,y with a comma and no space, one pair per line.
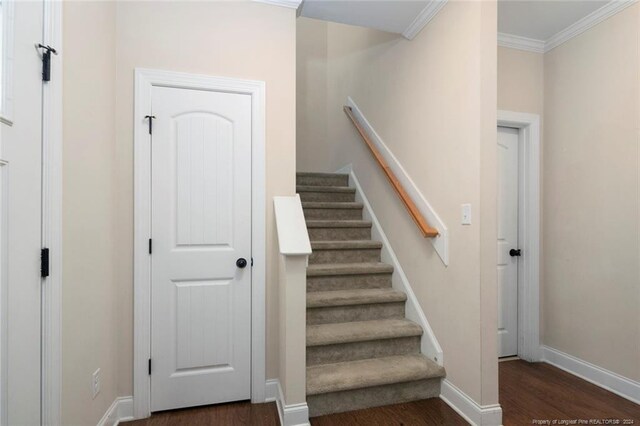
421,222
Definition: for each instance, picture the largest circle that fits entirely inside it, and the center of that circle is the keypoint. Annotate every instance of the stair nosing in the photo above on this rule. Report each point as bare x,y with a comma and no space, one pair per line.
332,205
338,223
338,269
359,369
345,245
368,297
393,329
324,188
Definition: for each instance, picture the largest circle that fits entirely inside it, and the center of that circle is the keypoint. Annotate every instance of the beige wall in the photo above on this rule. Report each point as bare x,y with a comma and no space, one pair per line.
433,102
90,295
591,257
104,42
520,81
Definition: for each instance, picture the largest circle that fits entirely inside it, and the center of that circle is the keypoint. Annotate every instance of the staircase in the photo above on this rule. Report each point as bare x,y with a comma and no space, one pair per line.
361,350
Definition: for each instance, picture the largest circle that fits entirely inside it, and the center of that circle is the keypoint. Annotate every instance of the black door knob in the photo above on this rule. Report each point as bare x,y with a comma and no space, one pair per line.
514,252
241,263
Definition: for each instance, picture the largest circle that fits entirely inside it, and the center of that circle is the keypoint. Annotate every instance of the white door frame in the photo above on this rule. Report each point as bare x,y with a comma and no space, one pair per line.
145,80
528,126
51,380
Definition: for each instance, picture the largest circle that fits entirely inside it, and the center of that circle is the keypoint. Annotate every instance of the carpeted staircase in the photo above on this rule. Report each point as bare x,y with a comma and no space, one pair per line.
361,350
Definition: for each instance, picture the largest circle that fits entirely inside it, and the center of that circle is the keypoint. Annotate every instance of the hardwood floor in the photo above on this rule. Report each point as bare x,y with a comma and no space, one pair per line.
540,391
427,412
528,392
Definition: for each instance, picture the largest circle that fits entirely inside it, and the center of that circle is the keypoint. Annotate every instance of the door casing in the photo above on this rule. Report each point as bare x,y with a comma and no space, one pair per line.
145,80
528,126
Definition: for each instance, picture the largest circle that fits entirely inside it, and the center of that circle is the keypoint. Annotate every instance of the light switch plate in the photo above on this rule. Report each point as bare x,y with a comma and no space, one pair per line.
466,214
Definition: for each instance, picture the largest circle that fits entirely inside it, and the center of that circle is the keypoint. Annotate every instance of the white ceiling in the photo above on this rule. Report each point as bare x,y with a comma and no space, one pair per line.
386,15
542,19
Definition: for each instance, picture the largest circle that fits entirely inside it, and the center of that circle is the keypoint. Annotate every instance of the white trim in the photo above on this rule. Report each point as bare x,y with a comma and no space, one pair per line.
8,38
52,220
4,284
613,382
471,411
293,237
289,4
528,231
424,17
441,242
429,345
543,46
145,79
589,21
121,410
522,43
289,415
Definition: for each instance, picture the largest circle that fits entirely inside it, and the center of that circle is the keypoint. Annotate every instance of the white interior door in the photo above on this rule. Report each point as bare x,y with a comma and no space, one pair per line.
201,226
21,213
508,253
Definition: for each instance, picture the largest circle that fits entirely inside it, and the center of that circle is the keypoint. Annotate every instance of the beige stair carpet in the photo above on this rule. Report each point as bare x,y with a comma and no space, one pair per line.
361,350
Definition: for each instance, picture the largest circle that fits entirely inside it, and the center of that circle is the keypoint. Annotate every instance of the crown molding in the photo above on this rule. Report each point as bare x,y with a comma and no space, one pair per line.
589,21
521,43
423,18
573,30
290,4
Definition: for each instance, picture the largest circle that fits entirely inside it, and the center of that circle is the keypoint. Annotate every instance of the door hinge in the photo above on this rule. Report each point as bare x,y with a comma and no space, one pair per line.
46,60
44,262
150,246
149,366
150,118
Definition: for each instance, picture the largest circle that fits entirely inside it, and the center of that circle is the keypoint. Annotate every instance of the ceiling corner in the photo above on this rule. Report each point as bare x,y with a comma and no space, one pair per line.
423,18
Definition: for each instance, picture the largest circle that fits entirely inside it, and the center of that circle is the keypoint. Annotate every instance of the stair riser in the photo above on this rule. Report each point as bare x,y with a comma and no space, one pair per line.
339,402
344,256
330,354
333,214
334,197
333,180
335,314
348,282
339,234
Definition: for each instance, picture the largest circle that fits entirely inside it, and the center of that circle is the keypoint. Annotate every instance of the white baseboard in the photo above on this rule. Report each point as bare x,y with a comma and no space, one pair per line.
441,242
613,382
429,345
290,415
479,415
120,410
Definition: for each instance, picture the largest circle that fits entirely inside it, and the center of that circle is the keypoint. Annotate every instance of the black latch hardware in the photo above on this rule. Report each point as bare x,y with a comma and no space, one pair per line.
46,61
515,253
44,262
149,366
150,118
150,246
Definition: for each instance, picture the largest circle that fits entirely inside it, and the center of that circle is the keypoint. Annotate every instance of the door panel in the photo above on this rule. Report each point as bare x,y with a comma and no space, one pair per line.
201,224
507,239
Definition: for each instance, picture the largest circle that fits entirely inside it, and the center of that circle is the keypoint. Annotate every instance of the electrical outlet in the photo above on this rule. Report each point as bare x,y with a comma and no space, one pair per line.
95,383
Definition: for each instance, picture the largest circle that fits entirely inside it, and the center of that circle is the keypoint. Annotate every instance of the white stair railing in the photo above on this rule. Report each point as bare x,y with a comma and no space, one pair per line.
295,248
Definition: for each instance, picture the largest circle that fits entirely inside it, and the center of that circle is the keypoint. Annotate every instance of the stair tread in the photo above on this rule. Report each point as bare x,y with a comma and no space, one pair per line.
319,299
361,331
345,245
331,205
320,174
366,373
338,223
324,188
324,269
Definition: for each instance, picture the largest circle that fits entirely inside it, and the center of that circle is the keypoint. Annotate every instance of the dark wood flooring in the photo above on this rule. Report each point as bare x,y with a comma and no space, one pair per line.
539,391
528,392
